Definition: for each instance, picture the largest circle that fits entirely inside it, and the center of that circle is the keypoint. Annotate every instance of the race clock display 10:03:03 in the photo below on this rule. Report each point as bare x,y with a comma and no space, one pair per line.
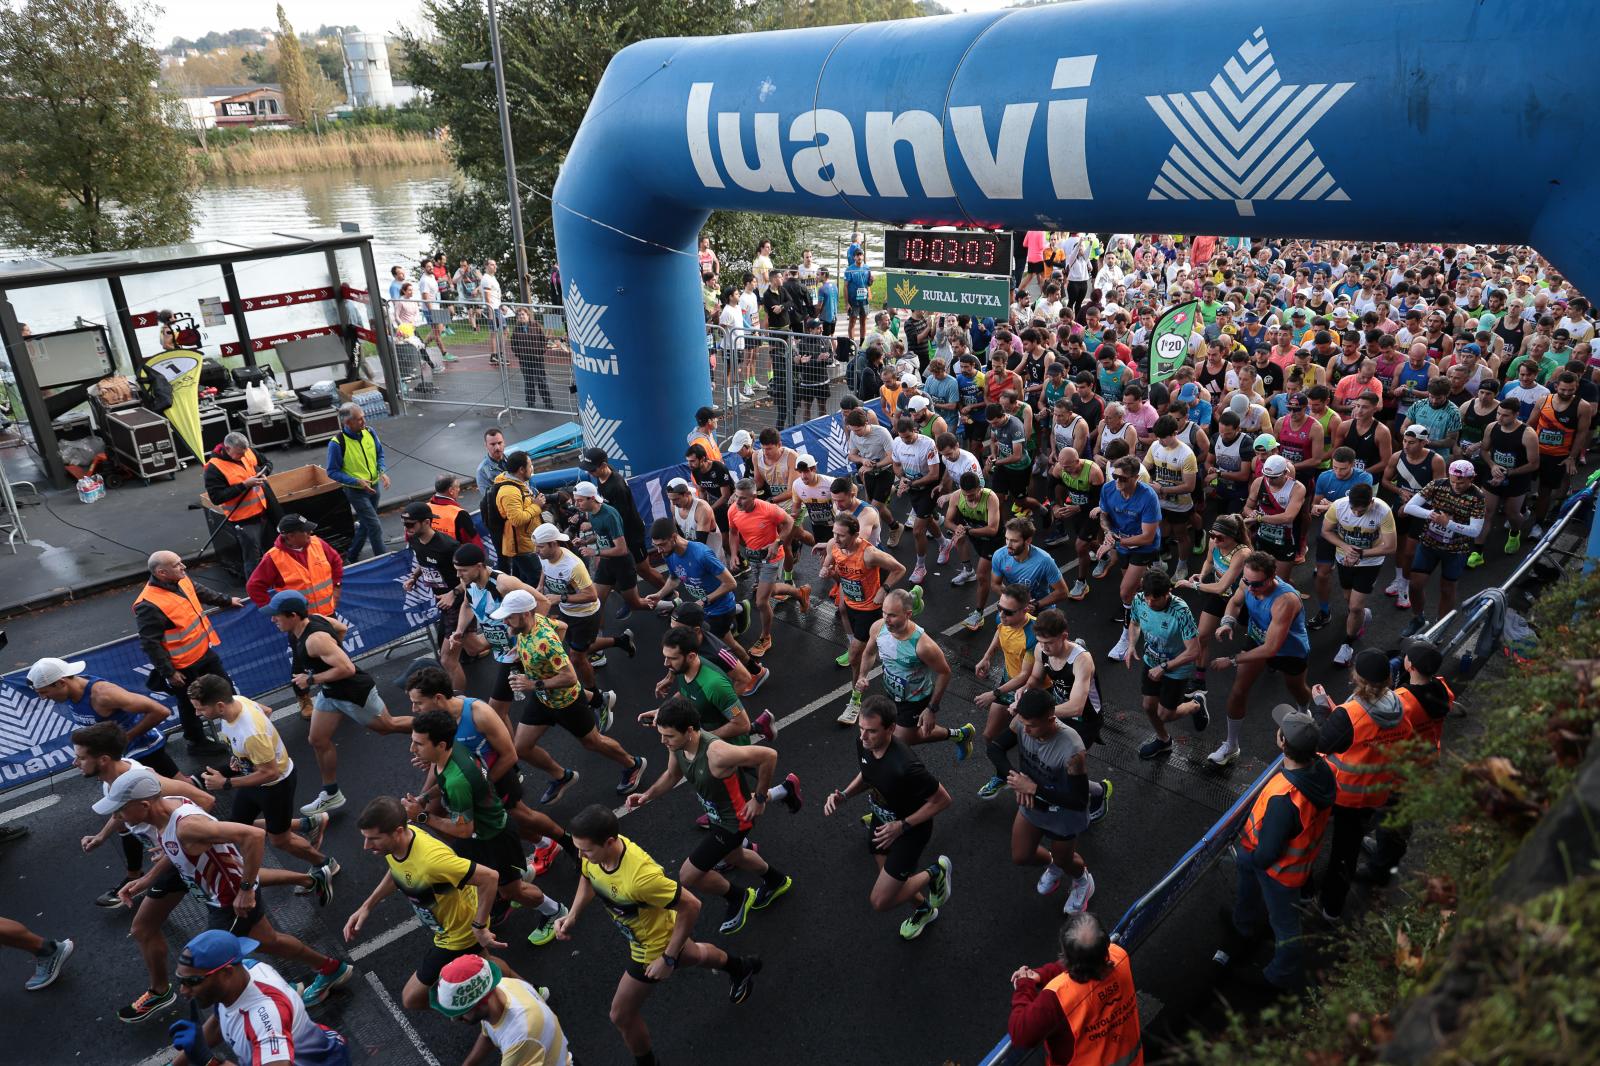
949,252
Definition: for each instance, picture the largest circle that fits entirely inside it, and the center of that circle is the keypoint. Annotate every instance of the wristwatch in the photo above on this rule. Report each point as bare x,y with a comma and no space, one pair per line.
761,796
247,886
670,961
422,817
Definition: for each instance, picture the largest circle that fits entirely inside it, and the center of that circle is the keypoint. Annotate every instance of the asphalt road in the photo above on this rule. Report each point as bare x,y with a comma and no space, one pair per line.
839,985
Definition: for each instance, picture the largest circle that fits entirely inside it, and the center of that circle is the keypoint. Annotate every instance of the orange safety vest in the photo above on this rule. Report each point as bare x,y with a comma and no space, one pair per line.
313,579
1293,867
1362,771
713,452
254,501
191,635
1104,1016
1422,724
445,519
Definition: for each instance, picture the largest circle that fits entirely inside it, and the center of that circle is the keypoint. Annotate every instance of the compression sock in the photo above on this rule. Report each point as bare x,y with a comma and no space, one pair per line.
777,793
1324,606
647,1059
548,906
1235,727
773,877
1096,789
735,967
331,788
997,751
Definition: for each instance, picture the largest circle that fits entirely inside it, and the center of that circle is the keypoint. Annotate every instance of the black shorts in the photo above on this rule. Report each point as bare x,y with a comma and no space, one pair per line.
1036,266
273,803
1009,481
904,857
1083,528
1510,489
582,630
877,486
1284,552
1138,557
169,884
1290,665
906,712
1408,526
1360,579
1214,604
436,958
617,571
975,432
714,846
502,682
161,762
986,546
1552,471
635,968
922,503
576,718
720,625
860,622
229,919
509,787
1327,554
501,853
1169,691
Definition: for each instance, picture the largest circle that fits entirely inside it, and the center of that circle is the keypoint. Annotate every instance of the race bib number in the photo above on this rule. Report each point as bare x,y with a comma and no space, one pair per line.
754,555
851,588
1274,534
1255,633
426,918
1359,465
1552,438
894,685
821,514
859,294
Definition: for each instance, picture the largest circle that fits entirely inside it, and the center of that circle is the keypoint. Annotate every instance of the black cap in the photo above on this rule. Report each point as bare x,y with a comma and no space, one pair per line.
295,523
1425,657
590,458
706,414
689,613
470,555
417,511
1372,666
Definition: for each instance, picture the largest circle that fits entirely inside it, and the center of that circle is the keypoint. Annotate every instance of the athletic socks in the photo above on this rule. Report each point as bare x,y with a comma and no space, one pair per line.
734,896
596,698
647,1059
1235,727
735,967
330,967
777,793
773,877
46,949
569,846
548,906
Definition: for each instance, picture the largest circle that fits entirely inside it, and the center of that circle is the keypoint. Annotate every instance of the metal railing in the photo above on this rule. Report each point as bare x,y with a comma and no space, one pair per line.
770,378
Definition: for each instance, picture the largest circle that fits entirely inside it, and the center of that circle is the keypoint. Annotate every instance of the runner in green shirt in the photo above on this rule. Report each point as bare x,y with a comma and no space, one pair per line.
706,688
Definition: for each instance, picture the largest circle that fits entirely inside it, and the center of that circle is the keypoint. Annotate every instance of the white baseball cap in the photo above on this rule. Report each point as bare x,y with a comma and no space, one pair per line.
740,440
587,489
917,403
517,601
546,533
805,459
47,672
140,783
677,484
1275,465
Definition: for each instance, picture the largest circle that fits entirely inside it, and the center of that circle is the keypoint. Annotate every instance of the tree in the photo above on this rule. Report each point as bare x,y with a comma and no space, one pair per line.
93,164
292,74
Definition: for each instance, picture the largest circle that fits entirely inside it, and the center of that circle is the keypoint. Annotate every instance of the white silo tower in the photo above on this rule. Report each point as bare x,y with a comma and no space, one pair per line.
366,70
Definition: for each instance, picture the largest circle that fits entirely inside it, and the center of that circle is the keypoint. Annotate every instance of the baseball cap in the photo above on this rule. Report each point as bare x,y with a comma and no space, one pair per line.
417,511
1372,665
216,948
462,985
1473,348
295,523
137,784
1298,312
1463,468
47,672
805,461
740,439
590,458
917,403
517,601
689,613
1525,279
1299,729
1417,430
1251,316
288,601
1275,465
1488,385
546,533
1189,393
1297,402
706,414
586,489
1424,656
1265,442
470,555
677,484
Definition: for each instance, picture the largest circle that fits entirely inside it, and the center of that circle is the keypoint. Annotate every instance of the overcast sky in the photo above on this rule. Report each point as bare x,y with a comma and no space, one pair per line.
193,18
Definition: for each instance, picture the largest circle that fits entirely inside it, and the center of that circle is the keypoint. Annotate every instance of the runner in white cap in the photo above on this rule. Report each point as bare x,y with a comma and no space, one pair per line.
514,1021
693,516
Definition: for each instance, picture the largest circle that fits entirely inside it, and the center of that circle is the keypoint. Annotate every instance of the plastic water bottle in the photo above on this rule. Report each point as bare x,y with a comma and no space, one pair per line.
517,695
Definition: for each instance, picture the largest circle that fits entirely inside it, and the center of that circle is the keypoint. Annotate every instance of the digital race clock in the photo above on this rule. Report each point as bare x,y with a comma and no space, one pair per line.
948,251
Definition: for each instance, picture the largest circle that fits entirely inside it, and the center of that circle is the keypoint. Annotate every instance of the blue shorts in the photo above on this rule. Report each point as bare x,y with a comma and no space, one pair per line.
1451,564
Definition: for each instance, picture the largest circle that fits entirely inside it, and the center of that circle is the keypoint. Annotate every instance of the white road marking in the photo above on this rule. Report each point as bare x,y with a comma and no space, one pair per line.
384,939
31,807
400,1019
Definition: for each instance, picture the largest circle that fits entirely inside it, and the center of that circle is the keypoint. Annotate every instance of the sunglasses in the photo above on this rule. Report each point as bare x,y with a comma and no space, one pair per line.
1264,582
196,980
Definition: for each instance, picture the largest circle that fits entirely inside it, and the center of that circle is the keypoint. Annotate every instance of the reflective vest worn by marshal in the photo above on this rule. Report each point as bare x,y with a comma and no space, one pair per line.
446,519
1362,771
1293,866
1423,724
313,579
359,455
1104,1016
190,635
253,502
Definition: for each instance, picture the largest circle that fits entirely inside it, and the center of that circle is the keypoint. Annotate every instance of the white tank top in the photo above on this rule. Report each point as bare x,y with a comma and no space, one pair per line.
816,499
773,473
1107,435
215,873
688,522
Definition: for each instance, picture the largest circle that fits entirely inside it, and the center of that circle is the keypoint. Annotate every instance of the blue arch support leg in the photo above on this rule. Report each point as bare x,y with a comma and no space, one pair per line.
1348,124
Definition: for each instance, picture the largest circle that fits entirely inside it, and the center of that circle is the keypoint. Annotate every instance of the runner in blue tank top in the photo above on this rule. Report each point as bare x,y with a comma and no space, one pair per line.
1275,637
915,675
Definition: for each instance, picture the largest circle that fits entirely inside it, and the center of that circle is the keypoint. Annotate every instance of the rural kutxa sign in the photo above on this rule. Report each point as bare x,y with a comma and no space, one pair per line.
983,297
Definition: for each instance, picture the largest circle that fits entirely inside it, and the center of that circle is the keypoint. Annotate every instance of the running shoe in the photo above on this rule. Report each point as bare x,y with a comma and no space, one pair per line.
963,739
1078,898
761,647
1537,532
602,714
920,919
945,547
625,642
1403,601
1513,543
321,884
1345,653
316,827
940,882
47,968
991,788
1155,747
895,532
1226,755
745,615
792,798
1079,589
545,931
966,575
767,895
557,788
916,600
974,620
597,660
762,724
919,573
1102,567
1050,880
1202,717
852,710
147,1003
664,608
1366,619
740,987
843,659
1394,587
318,990
738,913
1475,560
1100,810
1121,648
109,898
1417,625
544,857
746,392
803,594
624,612
632,776
1181,571
760,678
1319,620
325,801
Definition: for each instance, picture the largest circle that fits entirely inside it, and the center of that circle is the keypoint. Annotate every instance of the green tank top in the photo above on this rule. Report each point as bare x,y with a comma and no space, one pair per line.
1078,486
722,797
974,512
926,428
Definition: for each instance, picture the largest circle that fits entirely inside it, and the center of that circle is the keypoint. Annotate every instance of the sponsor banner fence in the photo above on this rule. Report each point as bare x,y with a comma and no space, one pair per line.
34,732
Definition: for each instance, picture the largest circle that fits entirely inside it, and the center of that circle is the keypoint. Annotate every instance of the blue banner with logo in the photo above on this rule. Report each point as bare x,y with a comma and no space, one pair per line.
34,733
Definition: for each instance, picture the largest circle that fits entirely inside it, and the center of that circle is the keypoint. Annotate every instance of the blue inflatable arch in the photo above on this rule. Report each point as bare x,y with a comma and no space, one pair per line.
1392,120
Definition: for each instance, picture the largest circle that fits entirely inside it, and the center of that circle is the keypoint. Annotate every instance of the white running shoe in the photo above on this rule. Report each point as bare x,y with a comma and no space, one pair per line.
1226,755
1078,898
973,621
920,573
965,576
1343,656
1396,585
324,802
1050,880
1122,646
945,547
746,393
1181,572
1403,601
1079,590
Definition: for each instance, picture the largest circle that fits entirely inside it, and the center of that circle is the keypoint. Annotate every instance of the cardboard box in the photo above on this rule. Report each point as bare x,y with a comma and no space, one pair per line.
302,481
350,388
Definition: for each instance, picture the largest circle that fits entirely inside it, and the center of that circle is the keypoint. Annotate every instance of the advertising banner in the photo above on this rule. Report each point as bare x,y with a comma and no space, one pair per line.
980,297
1169,341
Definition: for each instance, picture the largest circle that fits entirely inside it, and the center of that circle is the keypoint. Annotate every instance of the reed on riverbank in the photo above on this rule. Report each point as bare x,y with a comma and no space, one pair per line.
289,151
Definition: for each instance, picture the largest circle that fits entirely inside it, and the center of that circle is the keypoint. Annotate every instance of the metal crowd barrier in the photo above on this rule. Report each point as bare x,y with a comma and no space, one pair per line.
793,372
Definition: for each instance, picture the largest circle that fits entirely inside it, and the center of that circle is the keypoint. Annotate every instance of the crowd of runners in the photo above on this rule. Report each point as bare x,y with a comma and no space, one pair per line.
1362,423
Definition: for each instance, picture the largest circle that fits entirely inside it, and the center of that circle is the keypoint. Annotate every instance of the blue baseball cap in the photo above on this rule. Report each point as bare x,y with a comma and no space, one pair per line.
1189,393
1473,348
216,948
288,602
